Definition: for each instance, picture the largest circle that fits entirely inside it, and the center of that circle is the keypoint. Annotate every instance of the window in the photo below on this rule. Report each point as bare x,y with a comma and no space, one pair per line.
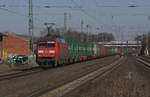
47,44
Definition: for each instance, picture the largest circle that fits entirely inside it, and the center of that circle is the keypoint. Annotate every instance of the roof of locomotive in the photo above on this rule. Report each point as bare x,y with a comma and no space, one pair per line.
52,39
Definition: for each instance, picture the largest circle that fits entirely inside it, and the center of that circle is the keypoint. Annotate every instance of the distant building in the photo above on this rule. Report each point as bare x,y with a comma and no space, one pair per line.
14,45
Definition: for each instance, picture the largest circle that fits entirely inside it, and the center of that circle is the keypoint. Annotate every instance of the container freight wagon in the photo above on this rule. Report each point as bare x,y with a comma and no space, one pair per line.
118,51
96,49
79,50
103,50
108,50
113,51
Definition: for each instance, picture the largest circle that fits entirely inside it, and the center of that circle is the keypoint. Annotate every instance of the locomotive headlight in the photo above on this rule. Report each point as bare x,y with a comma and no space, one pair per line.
52,51
40,51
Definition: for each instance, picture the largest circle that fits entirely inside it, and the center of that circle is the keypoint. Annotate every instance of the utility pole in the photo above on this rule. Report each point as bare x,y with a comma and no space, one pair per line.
31,27
82,22
65,22
87,26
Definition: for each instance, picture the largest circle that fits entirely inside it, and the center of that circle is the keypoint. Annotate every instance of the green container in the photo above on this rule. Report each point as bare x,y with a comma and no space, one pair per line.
78,48
71,48
113,50
90,49
98,49
109,50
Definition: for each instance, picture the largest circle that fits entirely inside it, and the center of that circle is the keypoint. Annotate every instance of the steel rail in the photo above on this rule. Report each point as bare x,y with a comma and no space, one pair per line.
19,74
144,60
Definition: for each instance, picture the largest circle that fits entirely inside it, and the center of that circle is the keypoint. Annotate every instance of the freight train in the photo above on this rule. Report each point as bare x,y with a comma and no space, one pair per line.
61,51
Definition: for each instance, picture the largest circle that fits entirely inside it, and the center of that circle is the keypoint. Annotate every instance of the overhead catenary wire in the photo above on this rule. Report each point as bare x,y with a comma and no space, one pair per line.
82,10
89,15
44,6
5,8
14,12
22,15
95,19
18,13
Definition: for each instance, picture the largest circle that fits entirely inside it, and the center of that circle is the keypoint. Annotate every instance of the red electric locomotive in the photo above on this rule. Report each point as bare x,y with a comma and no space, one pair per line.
49,51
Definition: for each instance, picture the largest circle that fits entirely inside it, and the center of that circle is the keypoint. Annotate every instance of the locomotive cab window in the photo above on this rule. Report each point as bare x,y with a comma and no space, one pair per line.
47,44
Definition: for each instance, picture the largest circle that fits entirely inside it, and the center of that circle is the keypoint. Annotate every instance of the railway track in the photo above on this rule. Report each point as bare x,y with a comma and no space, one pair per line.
144,60
19,73
147,57
67,87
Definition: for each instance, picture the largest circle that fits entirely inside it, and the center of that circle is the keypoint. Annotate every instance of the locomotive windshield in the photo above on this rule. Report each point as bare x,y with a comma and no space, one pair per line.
46,44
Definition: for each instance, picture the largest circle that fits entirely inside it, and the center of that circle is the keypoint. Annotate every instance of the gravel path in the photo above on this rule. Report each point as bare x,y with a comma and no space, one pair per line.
131,79
22,86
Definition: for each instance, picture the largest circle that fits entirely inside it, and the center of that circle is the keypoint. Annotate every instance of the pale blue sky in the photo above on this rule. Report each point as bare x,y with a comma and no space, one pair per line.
98,13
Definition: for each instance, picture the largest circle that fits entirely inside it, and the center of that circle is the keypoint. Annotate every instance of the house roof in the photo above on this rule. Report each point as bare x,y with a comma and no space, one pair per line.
25,37
2,34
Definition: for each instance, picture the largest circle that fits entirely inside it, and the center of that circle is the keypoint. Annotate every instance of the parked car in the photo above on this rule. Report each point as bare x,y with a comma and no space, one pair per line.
20,59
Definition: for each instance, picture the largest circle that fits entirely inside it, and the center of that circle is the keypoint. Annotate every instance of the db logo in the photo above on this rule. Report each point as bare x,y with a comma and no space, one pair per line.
46,51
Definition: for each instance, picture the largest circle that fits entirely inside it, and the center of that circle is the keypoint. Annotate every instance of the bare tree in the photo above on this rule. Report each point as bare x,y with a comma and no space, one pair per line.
75,35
